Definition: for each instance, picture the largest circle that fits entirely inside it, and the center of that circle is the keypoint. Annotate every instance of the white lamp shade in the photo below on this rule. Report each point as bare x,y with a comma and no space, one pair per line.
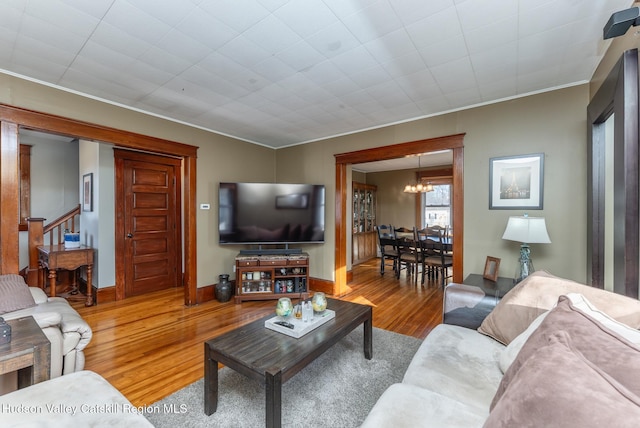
528,230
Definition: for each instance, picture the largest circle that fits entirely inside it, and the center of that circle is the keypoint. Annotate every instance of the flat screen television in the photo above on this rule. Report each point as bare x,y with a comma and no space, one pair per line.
270,213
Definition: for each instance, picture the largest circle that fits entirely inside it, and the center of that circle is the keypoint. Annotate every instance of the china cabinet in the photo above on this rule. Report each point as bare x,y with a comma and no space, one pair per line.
364,238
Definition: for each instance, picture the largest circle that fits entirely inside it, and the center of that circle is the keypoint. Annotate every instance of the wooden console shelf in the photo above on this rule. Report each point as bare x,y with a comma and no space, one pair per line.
265,277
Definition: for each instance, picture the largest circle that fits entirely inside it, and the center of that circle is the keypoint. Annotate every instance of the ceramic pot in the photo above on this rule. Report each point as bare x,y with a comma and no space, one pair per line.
223,289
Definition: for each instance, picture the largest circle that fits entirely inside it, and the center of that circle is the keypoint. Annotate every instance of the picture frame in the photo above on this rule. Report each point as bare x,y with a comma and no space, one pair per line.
516,182
491,268
87,192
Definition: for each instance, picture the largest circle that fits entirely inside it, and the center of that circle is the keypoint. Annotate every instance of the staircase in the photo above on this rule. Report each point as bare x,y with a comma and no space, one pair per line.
51,234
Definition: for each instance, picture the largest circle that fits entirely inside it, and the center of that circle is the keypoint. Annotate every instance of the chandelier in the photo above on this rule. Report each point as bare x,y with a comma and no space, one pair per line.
418,187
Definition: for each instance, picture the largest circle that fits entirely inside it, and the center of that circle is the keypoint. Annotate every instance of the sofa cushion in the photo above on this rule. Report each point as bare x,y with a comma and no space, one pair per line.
408,406
538,293
14,294
458,363
610,352
579,302
509,354
558,386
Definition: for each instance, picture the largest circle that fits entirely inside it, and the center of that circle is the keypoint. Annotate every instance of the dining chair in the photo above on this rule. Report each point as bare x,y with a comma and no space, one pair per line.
423,251
437,257
406,247
387,245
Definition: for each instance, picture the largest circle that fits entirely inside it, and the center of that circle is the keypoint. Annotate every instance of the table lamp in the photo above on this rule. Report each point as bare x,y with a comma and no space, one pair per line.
527,230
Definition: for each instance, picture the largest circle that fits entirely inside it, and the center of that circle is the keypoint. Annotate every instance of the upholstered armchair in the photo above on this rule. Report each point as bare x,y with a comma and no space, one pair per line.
68,333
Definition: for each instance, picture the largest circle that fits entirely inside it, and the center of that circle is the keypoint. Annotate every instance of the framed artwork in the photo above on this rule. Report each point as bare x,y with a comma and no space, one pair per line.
491,267
87,192
516,182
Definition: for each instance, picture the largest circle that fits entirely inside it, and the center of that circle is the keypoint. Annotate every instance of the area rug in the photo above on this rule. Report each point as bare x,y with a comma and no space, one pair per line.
337,390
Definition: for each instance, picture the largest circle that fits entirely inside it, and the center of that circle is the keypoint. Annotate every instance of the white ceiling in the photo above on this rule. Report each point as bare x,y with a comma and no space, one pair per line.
280,73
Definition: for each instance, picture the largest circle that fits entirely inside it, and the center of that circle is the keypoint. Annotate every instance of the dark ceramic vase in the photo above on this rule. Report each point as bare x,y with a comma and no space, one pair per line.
223,289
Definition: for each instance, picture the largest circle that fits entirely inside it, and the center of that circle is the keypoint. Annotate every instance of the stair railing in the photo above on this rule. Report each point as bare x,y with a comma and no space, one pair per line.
51,234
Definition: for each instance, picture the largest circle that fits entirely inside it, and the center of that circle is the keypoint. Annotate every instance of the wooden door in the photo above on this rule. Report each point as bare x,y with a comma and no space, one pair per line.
147,223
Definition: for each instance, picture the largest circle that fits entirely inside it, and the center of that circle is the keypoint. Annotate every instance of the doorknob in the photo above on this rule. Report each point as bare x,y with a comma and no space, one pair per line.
129,235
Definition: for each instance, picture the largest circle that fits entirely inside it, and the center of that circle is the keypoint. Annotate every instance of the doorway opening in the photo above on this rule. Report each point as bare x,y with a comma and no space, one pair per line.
13,118
343,160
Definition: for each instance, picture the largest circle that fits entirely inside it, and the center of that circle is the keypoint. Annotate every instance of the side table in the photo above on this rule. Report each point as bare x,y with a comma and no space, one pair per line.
28,353
54,257
469,303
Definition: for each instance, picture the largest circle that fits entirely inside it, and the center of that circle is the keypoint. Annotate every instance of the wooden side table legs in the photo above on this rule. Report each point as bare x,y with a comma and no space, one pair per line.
89,301
52,282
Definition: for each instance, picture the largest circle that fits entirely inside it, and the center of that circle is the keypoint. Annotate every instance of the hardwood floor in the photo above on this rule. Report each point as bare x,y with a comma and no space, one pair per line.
151,346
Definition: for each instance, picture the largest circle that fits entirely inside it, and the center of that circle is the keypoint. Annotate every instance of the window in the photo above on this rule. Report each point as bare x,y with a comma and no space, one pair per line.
436,206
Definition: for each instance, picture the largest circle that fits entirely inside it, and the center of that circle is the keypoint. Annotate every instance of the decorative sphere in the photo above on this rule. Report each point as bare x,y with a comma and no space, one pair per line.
284,307
319,302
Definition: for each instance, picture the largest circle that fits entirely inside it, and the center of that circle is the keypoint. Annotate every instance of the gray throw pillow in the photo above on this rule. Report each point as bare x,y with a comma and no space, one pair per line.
14,294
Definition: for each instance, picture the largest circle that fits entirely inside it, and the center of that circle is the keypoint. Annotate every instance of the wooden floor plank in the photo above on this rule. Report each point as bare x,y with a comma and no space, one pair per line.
150,346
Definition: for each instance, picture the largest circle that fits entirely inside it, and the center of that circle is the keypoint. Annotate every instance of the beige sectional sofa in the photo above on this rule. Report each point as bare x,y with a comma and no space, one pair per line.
552,353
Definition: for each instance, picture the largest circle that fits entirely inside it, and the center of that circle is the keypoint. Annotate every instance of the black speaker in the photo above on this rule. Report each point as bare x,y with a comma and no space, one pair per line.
620,22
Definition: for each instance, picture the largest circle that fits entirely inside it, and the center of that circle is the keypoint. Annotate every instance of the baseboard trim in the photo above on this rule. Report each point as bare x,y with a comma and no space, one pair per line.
104,294
206,294
322,285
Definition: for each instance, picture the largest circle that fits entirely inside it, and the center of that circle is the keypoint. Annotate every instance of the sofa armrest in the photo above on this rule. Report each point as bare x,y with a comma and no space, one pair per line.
44,319
72,323
466,305
38,295
47,319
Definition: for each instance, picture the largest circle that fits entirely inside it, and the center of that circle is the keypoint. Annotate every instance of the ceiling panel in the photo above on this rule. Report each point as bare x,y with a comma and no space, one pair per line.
285,72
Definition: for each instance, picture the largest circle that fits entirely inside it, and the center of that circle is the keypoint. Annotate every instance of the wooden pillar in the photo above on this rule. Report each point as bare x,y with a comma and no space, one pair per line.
9,198
36,238
190,282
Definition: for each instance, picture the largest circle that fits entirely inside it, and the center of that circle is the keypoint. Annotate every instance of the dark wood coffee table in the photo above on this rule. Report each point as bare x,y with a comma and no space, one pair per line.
273,358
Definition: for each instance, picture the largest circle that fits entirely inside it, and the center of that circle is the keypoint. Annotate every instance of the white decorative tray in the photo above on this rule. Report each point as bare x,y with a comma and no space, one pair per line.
300,328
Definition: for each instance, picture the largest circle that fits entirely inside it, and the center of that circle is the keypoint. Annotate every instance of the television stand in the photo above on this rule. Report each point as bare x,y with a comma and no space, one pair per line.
271,276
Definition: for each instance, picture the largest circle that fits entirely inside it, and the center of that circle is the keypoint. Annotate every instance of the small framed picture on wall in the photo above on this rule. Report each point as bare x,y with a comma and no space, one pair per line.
87,192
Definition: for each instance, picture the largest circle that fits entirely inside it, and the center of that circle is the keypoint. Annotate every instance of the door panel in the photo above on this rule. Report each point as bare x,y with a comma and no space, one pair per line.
147,223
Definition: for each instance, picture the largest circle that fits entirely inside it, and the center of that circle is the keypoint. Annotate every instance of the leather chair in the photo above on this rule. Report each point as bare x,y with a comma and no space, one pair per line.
68,333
